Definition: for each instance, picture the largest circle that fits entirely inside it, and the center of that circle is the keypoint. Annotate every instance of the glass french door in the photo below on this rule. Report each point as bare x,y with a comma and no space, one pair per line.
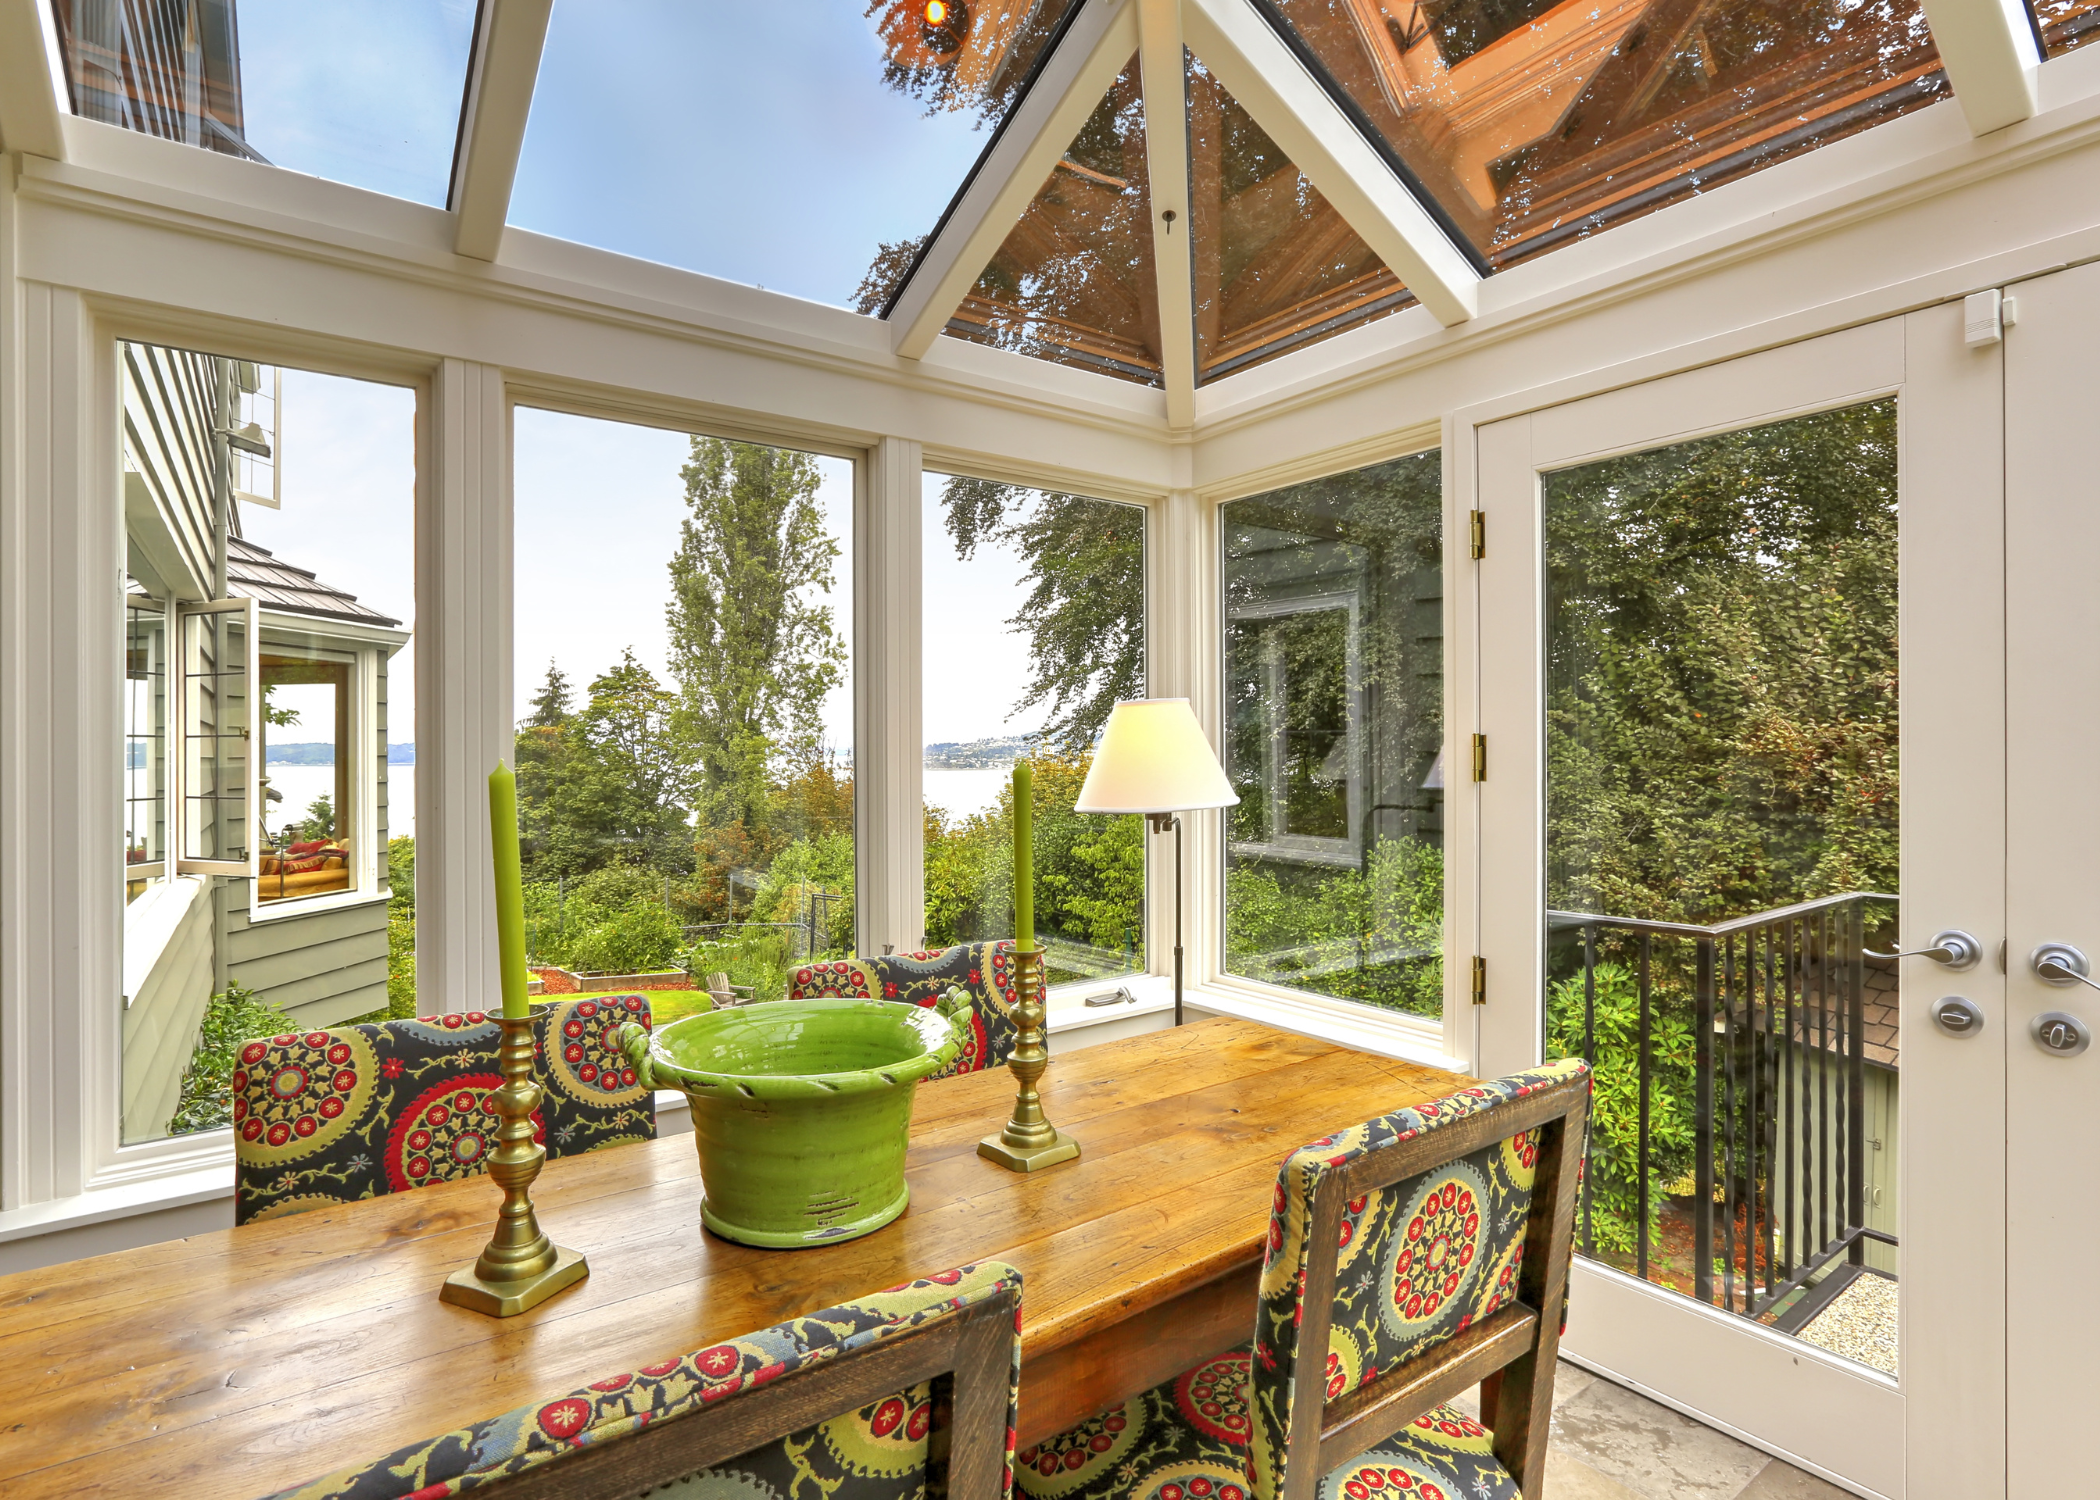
1712,819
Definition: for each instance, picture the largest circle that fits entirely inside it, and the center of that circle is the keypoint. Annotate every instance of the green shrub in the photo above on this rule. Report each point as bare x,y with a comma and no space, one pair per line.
232,1017
1614,1167
634,939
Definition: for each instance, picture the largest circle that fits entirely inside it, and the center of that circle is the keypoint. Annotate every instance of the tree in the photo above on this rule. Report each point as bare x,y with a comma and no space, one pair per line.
1722,671
549,840
628,786
1085,610
753,650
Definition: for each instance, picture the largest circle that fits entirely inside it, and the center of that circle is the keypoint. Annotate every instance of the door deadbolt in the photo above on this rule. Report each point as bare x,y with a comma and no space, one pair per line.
1957,1016
2061,1034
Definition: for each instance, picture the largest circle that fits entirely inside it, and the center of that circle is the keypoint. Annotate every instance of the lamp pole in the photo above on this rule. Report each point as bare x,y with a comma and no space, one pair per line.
1161,822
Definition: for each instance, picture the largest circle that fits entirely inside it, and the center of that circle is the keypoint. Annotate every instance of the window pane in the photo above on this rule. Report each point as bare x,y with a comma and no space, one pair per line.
1722,747
1275,266
775,145
366,93
1532,124
2066,24
212,959
1035,628
1074,281
1334,666
684,751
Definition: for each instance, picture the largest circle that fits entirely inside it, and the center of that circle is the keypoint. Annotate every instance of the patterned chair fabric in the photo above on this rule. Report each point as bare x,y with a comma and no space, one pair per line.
879,1452
1420,1261
325,1117
982,971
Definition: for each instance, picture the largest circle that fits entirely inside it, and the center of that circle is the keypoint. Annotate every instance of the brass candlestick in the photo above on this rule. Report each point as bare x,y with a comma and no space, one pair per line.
1029,1142
521,1267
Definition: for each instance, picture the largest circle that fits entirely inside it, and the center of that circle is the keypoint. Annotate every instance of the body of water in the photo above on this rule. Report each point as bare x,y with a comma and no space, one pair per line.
301,784
961,790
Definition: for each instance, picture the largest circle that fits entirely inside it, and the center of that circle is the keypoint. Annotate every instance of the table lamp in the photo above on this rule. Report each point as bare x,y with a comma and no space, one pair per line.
1153,759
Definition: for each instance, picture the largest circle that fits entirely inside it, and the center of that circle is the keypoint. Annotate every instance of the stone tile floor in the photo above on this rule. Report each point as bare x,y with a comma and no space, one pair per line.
1610,1444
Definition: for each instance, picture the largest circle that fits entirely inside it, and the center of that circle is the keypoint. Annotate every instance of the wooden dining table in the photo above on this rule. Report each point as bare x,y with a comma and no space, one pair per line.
243,1361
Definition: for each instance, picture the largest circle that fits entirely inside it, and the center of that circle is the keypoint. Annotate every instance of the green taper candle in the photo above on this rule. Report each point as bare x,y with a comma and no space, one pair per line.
510,890
1024,856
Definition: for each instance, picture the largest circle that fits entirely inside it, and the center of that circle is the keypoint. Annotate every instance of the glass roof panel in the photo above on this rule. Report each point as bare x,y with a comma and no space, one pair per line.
365,92
1532,123
1074,281
770,144
2065,24
1275,265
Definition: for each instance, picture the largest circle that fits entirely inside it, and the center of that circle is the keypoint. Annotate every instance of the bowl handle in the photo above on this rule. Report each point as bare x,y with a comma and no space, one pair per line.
633,1039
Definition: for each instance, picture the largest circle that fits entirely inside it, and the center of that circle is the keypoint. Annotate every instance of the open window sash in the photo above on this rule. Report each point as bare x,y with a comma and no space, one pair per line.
218,763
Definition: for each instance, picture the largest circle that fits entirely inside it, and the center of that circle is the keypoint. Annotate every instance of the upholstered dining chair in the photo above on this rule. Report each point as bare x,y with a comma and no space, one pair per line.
1410,1258
984,972
332,1116
903,1393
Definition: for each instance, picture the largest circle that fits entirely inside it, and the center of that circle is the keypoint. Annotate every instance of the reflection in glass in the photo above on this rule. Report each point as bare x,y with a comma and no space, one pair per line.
1053,589
1275,266
2065,24
1532,124
1334,871
307,710
366,93
1074,281
1721,842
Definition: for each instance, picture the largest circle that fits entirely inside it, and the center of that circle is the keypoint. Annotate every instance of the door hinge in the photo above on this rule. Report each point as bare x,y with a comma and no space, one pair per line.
1480,757
1480,534
1480,980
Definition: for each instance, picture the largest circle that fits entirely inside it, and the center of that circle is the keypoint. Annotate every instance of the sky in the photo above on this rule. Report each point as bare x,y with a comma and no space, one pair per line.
598,507
665,129
347,449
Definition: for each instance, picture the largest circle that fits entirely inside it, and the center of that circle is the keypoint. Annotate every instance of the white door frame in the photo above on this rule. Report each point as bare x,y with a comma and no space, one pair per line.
1944,1425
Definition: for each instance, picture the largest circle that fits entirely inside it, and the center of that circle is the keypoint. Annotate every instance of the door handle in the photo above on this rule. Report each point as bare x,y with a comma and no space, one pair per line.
2061,964
1952,947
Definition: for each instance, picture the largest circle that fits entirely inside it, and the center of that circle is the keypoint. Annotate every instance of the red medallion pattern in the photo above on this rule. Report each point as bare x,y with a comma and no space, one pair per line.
355,1111
983,972
879,1452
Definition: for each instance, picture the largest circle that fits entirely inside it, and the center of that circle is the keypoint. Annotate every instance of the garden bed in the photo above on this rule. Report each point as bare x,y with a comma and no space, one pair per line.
550,981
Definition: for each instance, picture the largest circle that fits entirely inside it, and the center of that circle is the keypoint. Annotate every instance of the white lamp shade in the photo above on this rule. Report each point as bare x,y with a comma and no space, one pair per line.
1153,758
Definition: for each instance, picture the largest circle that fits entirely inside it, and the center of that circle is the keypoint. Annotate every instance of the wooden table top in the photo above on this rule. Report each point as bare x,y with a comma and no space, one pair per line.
239,1362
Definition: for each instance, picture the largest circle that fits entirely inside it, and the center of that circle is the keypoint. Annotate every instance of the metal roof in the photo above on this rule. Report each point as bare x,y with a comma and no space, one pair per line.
256,573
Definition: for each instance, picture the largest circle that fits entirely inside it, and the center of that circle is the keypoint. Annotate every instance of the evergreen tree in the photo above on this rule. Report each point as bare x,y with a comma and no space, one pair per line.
627,786
550,843
753,650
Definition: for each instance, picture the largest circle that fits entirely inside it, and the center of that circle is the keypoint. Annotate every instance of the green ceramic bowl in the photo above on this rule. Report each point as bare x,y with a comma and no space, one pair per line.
801,1109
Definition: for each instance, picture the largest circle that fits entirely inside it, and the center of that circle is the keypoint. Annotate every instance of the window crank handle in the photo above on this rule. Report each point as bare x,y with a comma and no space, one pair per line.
1952,947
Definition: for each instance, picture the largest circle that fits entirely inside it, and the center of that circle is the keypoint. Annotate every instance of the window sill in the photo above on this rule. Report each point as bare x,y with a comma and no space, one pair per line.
1343,1022
101,1205
260,912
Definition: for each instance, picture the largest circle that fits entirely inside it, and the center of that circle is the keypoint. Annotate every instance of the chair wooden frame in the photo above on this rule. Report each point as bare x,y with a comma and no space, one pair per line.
1510,1355
969,1357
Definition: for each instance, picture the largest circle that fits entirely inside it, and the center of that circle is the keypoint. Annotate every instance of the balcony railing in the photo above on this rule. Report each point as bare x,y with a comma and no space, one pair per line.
1776,1188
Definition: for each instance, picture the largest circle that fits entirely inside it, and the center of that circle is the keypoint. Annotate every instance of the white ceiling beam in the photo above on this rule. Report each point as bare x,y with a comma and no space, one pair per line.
1990,55
33,97
1273,86
1089,56
1165,76
500,77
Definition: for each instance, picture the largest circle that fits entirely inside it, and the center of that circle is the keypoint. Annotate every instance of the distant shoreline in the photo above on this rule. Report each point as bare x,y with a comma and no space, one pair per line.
321,753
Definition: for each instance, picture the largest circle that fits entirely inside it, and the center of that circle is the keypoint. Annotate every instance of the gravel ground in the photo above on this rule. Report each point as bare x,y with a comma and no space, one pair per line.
1860,1324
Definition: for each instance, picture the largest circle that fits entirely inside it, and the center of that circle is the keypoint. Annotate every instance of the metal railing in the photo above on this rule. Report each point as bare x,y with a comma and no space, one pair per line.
1774,1003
